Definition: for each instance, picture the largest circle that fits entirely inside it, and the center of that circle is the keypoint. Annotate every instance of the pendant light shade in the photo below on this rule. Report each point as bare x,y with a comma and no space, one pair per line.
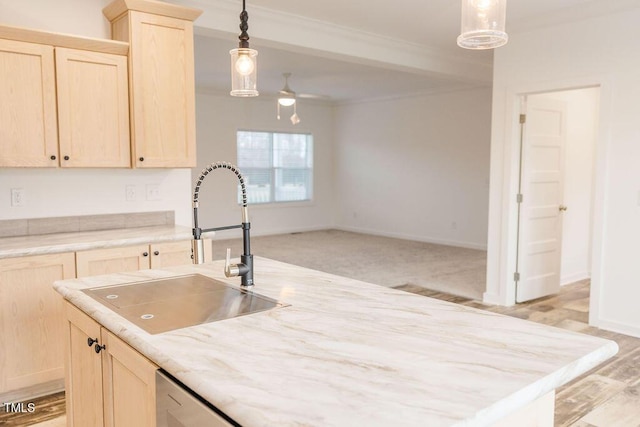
483,24
286,100
244,62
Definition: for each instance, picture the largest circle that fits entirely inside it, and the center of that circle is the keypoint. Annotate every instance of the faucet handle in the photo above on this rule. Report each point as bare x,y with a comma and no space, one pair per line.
230,270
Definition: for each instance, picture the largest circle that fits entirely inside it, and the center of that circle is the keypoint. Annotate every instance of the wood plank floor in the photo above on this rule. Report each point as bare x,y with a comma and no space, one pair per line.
608,396
49,412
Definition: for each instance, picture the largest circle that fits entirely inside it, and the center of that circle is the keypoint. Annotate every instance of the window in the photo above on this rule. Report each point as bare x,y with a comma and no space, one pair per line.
277,167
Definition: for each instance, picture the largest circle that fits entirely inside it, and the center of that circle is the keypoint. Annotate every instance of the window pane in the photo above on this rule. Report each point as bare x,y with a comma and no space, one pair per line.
258,183
254,150
293,184
291,151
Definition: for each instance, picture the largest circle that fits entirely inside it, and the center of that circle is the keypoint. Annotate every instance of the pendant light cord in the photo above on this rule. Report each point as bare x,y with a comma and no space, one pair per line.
244,26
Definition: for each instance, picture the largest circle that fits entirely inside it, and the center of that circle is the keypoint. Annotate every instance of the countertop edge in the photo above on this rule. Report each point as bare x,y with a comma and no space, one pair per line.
81,241
536,390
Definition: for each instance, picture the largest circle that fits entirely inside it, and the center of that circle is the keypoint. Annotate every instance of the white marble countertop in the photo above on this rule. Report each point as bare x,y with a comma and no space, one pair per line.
350,353
79,241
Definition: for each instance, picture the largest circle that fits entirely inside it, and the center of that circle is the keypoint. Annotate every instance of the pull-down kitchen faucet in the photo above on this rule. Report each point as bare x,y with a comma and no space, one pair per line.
245,268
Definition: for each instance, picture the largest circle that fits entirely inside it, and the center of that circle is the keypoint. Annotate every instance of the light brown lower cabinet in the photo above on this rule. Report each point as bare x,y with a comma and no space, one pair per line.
32,314
139,257
107,382
31,319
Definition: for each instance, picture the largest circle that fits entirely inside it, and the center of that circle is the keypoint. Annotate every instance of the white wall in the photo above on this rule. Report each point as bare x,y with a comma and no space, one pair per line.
58,192
64,192
219,117
599,51
416,168
582,127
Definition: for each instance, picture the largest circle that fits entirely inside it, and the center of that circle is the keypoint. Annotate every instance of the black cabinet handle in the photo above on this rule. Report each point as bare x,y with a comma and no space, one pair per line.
145,253
141,159
91,341
156,252
98,348
66,157
53,157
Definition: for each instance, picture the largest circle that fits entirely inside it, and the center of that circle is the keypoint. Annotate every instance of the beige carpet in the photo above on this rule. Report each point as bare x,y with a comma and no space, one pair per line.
381,260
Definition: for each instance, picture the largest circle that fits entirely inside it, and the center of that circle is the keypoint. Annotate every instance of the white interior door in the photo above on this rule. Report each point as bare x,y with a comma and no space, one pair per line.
540,232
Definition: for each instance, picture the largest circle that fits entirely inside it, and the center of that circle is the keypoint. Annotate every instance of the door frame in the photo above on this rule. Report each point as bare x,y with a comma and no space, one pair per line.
501,242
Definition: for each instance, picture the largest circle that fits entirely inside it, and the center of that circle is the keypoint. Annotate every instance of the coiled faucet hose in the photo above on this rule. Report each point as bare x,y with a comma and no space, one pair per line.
220,165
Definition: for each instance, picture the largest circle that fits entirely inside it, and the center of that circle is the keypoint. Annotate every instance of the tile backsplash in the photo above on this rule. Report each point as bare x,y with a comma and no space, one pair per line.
71,224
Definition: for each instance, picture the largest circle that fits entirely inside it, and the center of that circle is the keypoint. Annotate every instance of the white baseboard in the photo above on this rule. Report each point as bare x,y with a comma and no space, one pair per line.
289,230
489,298
415,238
573,278
495,299
232,234
621,328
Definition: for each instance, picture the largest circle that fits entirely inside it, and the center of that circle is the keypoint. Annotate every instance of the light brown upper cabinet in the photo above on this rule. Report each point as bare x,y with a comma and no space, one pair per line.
93,108
161,73
64,100
28,127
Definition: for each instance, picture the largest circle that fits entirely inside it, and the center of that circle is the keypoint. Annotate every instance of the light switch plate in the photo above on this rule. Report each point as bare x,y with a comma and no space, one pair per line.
153,192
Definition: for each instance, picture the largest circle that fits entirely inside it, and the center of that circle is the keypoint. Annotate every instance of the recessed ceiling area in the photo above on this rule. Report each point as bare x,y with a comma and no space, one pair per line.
325,79
360,50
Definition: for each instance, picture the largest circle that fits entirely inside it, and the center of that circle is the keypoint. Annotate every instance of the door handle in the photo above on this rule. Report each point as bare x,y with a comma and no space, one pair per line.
562,208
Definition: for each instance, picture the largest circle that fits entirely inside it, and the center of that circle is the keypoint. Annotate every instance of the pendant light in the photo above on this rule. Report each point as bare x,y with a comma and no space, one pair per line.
244,62
287,98
483,24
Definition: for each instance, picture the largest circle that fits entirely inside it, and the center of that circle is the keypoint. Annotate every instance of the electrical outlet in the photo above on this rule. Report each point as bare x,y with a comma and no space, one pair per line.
130,193
454,225
153,192
17,197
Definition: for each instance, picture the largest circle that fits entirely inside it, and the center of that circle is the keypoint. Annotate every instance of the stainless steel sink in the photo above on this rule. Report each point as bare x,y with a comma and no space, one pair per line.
163,305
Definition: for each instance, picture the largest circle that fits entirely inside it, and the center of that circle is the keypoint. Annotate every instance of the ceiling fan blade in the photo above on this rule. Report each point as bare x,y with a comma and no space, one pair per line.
313,96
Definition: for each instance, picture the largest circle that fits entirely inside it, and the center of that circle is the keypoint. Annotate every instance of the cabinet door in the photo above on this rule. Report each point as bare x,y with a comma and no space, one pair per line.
129,385
170,254
83,380
163,89
28,128
93,109
112,260
31,320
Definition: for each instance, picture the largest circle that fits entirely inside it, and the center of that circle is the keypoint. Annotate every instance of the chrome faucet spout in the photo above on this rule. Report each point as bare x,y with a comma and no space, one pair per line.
245,267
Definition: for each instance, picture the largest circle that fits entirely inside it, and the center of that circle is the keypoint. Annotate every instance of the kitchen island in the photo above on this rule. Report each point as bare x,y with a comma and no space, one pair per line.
345,352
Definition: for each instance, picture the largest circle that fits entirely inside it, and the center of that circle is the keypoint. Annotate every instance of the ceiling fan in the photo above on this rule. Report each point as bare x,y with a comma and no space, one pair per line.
287,98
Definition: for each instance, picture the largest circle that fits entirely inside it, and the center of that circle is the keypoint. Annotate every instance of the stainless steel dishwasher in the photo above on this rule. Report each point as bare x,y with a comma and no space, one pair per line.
178,407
